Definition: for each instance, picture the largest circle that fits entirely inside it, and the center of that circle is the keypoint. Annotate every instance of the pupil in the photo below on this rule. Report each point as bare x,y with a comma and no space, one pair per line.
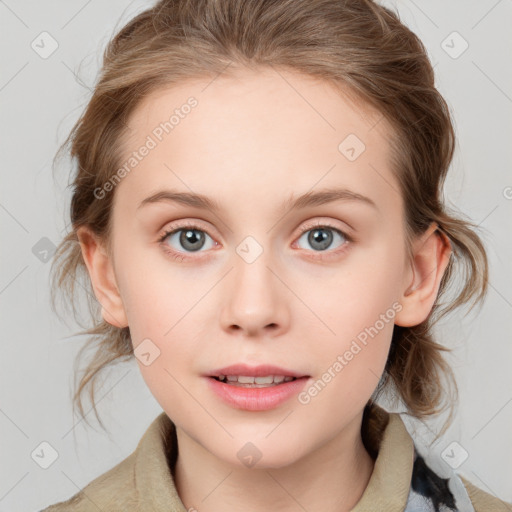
190,238
321,237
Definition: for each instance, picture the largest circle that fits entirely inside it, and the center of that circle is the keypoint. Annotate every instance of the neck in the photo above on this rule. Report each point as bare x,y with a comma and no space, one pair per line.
332,478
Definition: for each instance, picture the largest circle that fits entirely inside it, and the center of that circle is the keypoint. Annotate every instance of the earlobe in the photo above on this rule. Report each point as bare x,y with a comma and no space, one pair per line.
102,278
431,256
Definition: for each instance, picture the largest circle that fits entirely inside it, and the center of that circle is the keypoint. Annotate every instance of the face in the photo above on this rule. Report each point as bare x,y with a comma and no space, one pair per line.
311,288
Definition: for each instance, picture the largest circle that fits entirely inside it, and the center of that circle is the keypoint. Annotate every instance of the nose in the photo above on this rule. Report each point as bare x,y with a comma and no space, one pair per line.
255,301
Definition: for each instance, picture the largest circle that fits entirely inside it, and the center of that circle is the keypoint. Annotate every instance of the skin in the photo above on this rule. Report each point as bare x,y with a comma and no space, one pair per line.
251,142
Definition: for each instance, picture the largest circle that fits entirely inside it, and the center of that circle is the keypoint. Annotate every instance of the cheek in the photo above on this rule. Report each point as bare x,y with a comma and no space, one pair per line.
359,305
159,308
351,371
156,295
160,317
165,360
350,297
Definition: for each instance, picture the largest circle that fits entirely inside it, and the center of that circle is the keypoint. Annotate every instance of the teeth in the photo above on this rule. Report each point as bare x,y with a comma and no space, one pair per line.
262,380
245,379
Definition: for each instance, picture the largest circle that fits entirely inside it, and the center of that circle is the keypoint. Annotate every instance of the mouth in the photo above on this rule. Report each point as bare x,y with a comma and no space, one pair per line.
256,393
242,375
247,381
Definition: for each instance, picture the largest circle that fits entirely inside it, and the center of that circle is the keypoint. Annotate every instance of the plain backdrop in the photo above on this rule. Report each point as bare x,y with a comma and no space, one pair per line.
41,98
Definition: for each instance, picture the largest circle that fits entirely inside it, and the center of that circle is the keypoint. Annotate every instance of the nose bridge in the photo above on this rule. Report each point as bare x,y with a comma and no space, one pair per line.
255,300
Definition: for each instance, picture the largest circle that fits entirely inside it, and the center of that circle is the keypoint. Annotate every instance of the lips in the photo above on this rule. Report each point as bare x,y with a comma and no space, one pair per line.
253,397
255,371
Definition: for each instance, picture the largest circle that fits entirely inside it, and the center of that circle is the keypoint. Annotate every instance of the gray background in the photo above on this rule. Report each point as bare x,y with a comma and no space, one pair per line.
40,101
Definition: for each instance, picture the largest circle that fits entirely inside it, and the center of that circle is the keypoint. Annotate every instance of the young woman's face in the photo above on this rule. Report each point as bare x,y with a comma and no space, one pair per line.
312,289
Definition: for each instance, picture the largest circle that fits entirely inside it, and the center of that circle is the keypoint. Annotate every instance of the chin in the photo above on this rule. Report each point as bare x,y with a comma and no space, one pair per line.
261,454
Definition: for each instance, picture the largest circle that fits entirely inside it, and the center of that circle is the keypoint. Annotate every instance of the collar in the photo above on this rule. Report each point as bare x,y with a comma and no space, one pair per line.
388,487
389,484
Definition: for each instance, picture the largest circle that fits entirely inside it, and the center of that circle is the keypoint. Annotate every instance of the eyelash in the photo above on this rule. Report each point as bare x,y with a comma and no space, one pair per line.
319,256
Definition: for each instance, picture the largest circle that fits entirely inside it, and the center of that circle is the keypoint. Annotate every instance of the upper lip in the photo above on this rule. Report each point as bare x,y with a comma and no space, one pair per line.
255,371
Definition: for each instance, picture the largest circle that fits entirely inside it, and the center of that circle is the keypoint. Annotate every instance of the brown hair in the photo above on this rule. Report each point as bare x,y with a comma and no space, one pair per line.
356,44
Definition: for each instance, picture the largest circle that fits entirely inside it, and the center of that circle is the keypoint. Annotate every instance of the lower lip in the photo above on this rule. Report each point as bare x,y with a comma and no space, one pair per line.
257,399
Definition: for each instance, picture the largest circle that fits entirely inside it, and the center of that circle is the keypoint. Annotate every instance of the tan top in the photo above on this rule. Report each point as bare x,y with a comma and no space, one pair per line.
143,482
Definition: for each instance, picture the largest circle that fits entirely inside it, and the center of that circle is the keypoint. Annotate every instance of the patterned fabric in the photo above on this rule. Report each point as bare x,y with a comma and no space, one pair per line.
434,485
434,488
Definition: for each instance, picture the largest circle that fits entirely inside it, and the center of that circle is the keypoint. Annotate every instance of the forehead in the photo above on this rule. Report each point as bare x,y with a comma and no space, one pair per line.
250,129
249,98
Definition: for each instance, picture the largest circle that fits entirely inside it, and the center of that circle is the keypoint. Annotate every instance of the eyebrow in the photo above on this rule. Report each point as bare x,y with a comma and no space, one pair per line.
308,199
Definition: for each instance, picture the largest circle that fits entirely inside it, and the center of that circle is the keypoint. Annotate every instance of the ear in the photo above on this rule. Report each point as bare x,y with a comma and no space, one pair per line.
431,256
102,278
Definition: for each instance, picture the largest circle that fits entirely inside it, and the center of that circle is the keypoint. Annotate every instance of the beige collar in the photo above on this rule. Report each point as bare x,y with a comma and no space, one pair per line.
387,489
390,481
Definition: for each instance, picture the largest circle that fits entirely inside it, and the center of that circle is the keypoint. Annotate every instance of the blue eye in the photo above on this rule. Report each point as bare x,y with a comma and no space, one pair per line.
191,238
321,237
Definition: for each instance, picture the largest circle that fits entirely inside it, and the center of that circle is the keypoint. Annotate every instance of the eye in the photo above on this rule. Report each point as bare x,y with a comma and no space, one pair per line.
320,237
189,238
